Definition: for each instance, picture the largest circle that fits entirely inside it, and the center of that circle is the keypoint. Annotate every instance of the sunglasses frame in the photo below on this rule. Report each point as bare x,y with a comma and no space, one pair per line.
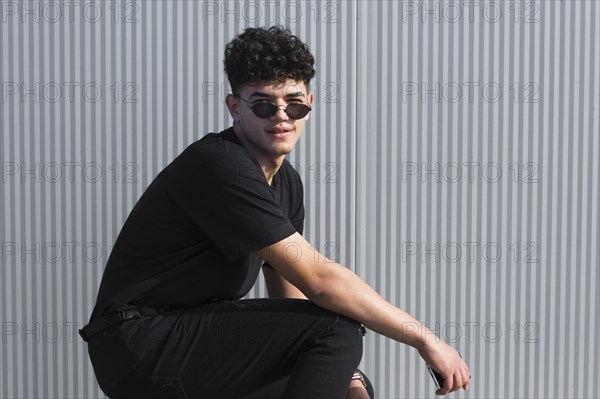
275,108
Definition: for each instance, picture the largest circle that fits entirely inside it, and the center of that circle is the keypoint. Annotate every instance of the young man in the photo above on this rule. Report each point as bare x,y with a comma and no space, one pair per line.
168,321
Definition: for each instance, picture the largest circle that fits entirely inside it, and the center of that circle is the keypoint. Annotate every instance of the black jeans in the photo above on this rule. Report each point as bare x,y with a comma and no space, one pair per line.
232,349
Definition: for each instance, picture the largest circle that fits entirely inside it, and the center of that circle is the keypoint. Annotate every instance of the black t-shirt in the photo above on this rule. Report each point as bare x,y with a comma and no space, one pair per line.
192,236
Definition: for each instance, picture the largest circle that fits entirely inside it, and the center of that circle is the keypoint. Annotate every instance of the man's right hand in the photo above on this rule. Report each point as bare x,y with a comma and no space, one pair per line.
447,361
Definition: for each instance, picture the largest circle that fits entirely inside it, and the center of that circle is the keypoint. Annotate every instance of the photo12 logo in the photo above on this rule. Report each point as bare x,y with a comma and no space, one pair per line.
469,11
469,92
468,252
66,252
269,12
490,332
69,11
68,172
469,172
49,332
69,92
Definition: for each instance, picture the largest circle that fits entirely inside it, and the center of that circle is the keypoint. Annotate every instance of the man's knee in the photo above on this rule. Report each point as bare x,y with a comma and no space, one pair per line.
350,335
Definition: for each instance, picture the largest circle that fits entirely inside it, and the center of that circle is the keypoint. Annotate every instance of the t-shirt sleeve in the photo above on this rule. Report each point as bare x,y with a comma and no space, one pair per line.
230,200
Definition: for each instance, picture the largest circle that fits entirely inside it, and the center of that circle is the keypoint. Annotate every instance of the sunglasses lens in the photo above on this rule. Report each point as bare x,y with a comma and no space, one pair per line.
264,110
297,111
267,110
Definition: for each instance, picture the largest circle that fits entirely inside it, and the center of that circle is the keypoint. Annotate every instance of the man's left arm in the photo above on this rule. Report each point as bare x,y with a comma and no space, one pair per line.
278,287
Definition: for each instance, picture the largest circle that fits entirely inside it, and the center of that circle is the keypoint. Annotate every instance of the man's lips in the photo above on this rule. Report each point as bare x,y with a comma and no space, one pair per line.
280,132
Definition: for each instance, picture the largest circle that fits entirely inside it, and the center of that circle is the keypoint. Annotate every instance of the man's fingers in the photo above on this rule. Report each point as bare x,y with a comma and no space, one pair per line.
448,384
452,383
465,377
458,381
456,374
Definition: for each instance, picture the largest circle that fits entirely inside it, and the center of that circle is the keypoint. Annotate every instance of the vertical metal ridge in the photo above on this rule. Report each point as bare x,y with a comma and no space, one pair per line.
36,153
78,193
21,300
532,271
570,133
446,130
411,201
375,153
559,386
518,223
539,237
501,154
594,126
172,19
388,192
547,248
11,305
459,191
577,334
593,294
487,133
478,209
4,273
184,113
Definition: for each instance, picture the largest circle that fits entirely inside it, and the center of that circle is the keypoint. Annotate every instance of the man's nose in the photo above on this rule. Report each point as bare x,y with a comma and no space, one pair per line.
281,114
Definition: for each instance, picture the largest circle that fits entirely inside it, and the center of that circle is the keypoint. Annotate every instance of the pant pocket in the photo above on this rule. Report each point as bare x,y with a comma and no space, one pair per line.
143,386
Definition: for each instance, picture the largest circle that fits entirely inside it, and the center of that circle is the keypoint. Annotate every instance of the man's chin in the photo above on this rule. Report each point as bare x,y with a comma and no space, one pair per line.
284,150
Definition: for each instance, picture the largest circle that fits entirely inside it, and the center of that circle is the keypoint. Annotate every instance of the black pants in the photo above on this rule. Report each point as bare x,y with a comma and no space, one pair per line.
282,348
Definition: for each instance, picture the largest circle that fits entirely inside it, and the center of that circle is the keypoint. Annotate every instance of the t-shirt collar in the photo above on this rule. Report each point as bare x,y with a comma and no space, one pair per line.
229,135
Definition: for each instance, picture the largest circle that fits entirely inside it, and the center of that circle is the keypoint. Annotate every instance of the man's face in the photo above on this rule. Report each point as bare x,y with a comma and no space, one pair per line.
269,139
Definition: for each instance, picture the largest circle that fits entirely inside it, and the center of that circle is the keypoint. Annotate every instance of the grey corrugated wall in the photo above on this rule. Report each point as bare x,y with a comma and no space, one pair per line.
451,161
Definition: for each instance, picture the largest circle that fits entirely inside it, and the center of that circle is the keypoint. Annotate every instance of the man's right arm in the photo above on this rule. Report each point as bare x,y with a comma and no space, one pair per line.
336,288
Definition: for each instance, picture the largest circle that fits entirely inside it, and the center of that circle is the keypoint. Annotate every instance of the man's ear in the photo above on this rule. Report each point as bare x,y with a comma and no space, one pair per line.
311,99
234,107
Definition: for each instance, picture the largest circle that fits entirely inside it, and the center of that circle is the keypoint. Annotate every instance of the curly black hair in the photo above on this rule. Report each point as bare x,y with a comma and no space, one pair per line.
261,55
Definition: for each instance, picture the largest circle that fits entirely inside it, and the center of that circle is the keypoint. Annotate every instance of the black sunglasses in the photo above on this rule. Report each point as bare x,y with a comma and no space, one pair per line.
265,110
